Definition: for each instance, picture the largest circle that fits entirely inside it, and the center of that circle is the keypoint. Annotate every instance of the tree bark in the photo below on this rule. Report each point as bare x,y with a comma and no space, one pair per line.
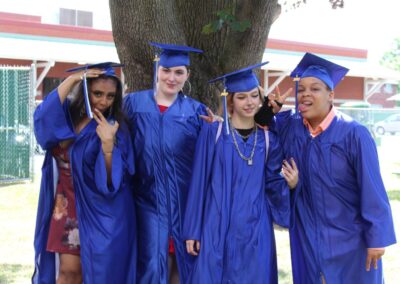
135,23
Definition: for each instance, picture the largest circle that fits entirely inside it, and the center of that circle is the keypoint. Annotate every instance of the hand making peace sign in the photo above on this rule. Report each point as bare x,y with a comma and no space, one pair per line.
276,100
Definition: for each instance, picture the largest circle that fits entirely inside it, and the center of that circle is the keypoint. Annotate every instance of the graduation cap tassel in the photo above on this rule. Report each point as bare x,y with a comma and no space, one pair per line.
155,60
297,114
86,94
224,94
296,80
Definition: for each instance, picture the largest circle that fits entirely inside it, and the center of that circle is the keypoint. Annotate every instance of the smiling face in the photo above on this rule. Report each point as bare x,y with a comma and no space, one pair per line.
315,100
172,79
102,93
246,104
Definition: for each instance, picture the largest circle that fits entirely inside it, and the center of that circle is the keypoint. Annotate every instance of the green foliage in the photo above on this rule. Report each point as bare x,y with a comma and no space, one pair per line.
391,58
227,18
241,26
213,27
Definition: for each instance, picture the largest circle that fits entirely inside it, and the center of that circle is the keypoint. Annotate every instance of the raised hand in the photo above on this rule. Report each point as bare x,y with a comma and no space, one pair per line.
276,100
66,86
211,117
105,130
90,73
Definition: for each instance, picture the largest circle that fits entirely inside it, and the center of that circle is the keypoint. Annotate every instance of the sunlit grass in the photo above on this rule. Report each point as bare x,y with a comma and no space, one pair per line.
15,273
17,220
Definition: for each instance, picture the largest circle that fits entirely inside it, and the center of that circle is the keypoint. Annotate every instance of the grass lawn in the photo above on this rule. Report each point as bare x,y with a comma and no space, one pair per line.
17,220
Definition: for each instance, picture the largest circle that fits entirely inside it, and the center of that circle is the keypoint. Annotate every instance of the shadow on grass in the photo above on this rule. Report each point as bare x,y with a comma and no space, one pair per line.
285,276
15,273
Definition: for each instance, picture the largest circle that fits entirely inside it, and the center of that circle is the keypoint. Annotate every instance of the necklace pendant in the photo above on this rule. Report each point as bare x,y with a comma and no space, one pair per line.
250,162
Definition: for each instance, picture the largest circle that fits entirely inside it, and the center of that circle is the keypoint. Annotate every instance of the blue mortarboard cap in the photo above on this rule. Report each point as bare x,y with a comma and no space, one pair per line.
174,55
313,66
107,67
242,80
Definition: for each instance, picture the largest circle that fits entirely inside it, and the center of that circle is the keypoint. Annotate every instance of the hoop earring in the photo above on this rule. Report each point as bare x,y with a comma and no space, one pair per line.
189,87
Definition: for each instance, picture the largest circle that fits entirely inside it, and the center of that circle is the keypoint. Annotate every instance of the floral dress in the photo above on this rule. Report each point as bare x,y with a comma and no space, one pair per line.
64,232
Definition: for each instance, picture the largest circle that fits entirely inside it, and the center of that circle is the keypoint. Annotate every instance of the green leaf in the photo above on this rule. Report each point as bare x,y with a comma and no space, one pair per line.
212,27
217,25
240,26
207,29
244,25
225,15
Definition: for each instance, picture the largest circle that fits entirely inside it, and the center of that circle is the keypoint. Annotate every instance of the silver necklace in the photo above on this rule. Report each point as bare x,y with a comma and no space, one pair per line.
248,159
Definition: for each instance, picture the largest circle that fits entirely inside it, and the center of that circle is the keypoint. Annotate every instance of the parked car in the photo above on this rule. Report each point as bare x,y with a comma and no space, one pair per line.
391,125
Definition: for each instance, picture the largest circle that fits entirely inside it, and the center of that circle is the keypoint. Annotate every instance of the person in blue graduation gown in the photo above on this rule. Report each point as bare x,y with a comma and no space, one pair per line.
164,124
97,166
237,192
343,220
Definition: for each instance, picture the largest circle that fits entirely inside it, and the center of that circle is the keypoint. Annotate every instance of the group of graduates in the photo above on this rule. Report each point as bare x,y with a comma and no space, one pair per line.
151,188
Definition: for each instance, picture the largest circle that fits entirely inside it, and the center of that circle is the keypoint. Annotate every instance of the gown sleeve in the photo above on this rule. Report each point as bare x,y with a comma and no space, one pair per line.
375,207
122,164
277,190
51,121
202,109
196,120
281,124
201,174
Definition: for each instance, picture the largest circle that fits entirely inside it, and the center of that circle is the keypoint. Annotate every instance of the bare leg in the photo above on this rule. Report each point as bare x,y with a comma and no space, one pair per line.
70,269
173,269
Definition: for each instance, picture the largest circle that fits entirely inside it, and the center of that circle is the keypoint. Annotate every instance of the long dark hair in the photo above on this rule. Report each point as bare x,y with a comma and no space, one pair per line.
77,107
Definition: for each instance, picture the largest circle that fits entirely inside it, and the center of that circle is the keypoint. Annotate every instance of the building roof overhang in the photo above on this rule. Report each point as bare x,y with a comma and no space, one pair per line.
286,61
56,49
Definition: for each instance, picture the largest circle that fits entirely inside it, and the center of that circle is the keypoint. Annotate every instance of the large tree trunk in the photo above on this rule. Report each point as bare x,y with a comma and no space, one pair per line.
137,22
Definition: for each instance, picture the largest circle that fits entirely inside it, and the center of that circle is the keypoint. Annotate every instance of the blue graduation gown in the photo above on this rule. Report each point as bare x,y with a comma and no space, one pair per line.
231,207
106,215
164,148
342,208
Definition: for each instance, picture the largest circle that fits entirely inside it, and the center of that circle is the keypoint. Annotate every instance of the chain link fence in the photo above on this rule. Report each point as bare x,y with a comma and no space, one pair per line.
379,121
16,131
